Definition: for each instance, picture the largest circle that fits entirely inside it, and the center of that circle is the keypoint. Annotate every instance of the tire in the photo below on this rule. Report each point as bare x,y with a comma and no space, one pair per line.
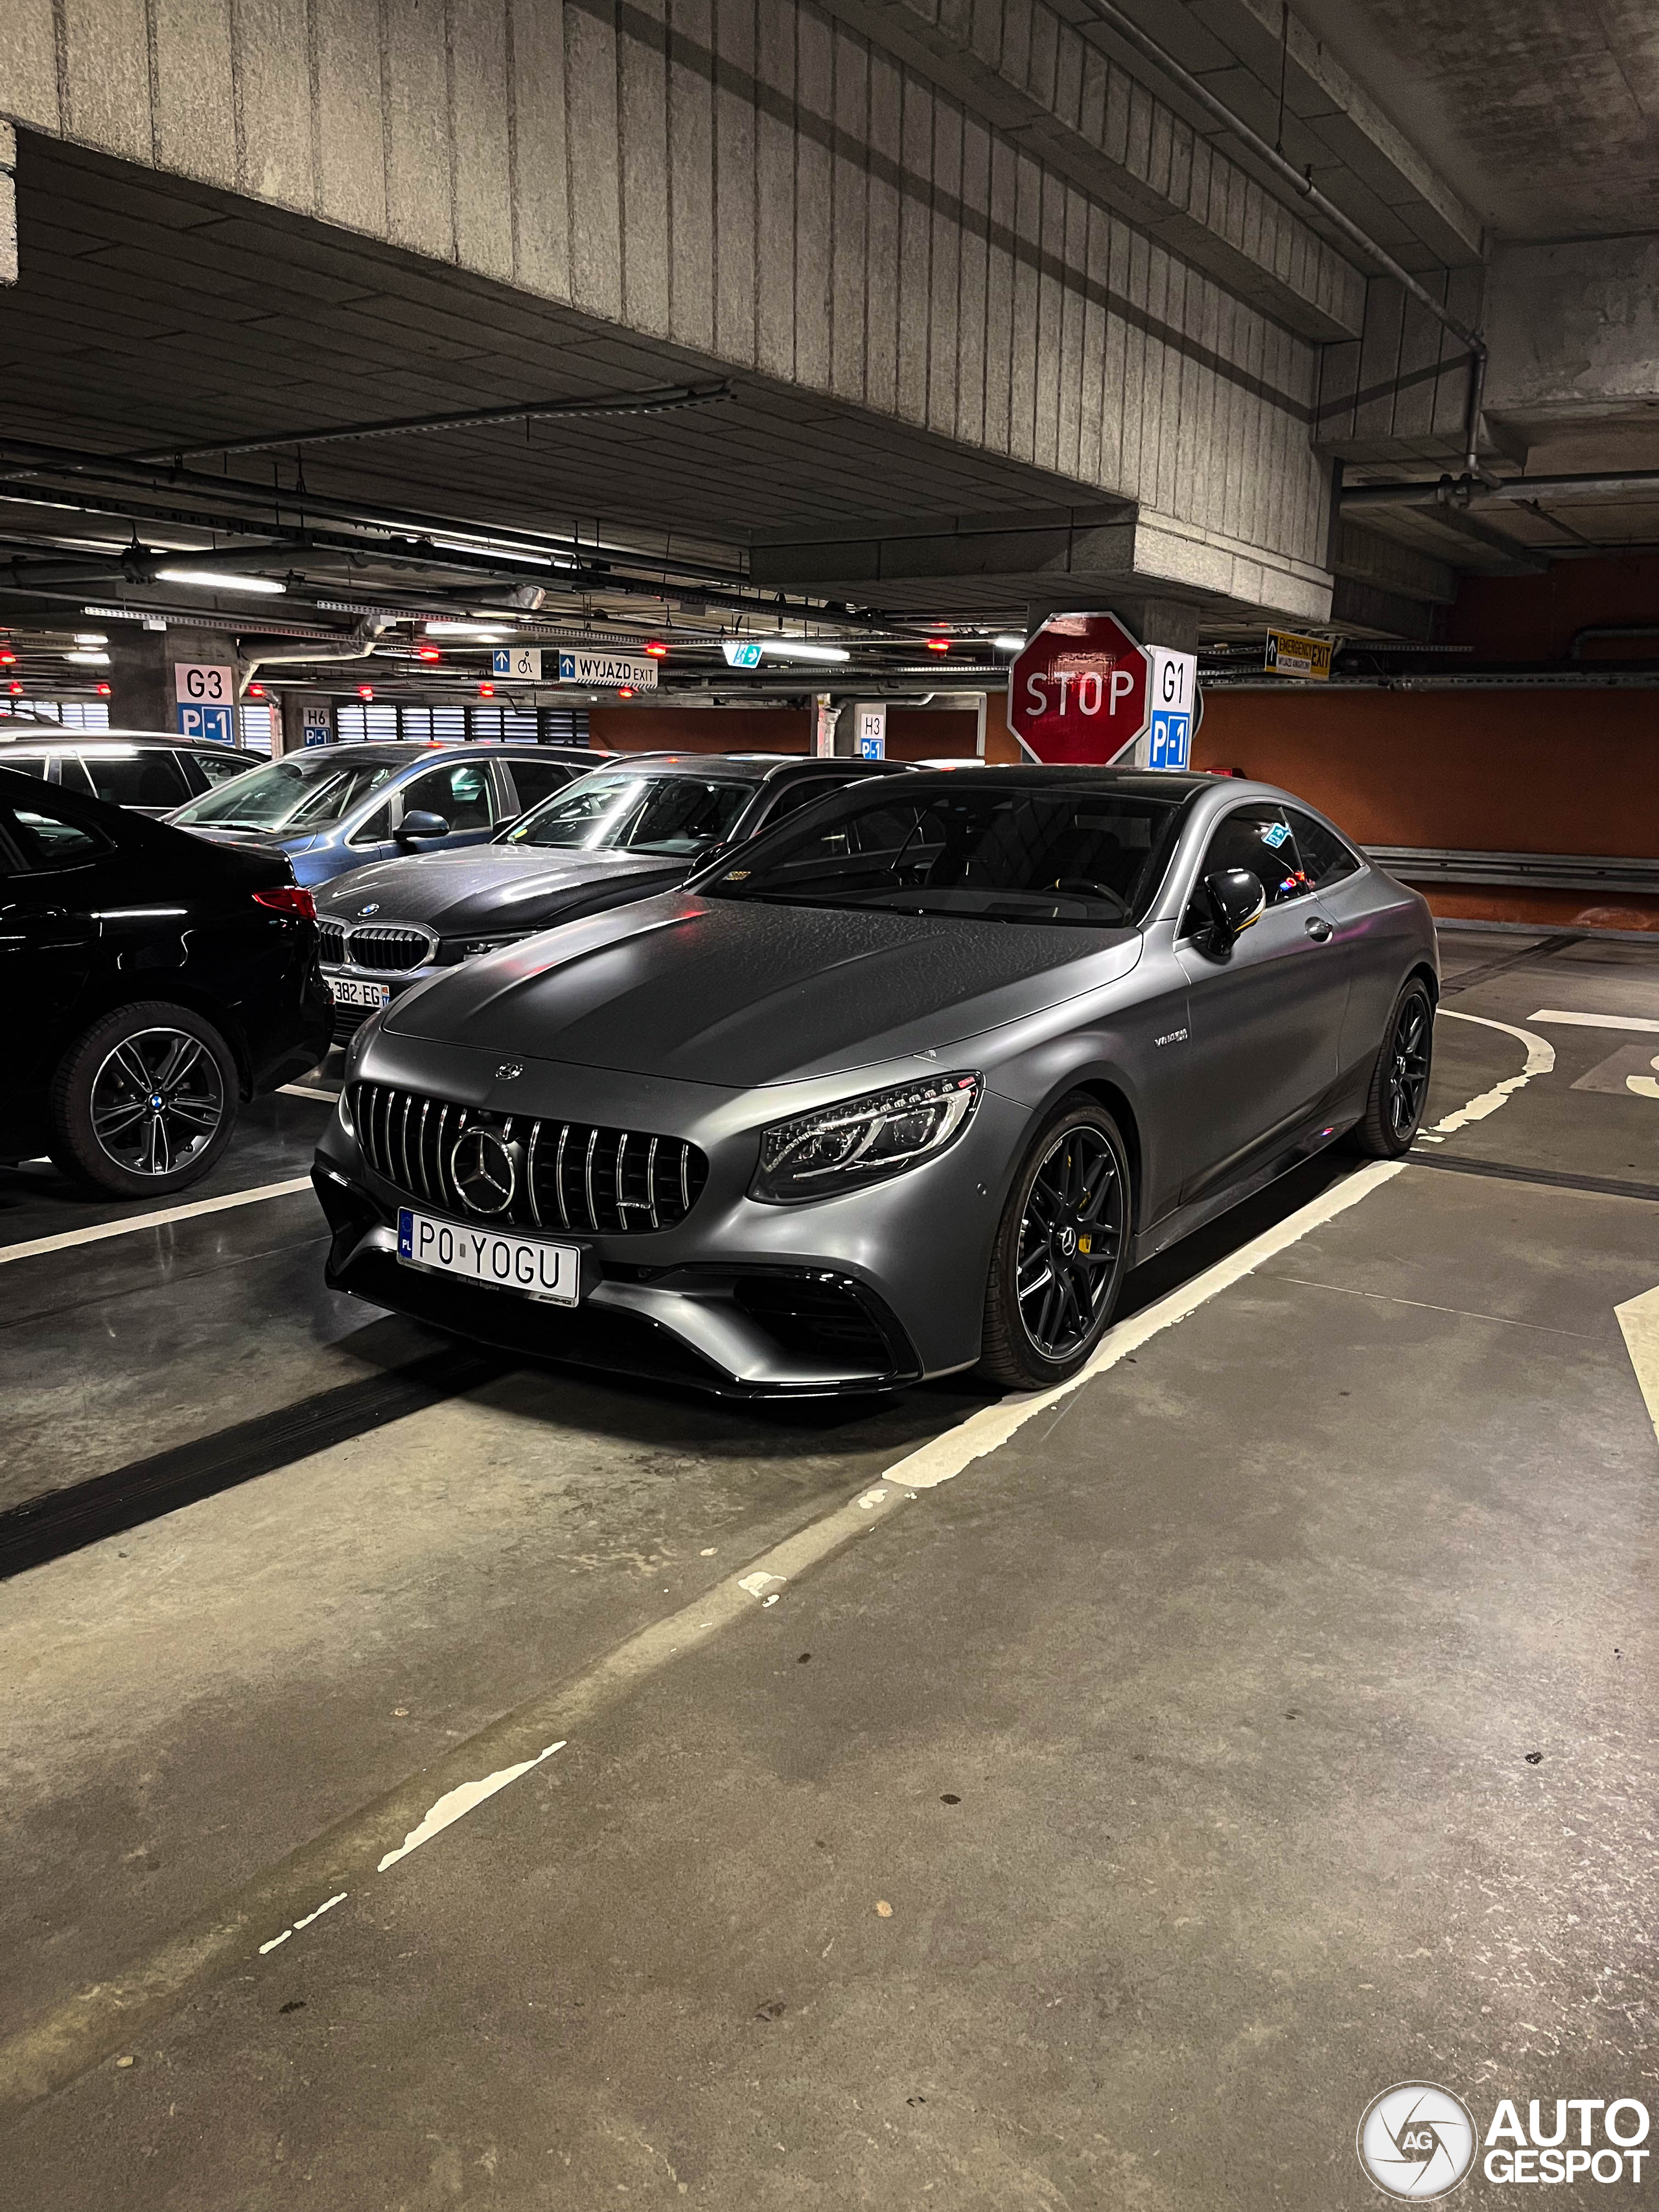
1400,1081
106,1128
1074,1178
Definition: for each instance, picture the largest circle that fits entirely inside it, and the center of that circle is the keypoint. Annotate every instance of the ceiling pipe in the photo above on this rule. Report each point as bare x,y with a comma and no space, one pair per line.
1125,27
257,653
661,400
1464,491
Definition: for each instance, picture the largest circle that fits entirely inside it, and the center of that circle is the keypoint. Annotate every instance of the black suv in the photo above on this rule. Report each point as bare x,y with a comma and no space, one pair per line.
153,981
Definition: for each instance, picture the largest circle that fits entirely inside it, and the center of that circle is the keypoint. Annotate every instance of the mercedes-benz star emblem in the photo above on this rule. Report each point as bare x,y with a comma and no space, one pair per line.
509,1069
485,1169
363,912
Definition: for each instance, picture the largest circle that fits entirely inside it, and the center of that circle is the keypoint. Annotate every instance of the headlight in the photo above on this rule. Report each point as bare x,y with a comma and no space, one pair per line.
454,949
348,1127
862,1140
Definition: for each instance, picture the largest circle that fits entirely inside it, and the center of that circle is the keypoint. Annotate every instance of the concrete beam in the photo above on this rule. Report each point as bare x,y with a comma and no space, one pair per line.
1080,558
7,205
1573,329
1365,556
1045,81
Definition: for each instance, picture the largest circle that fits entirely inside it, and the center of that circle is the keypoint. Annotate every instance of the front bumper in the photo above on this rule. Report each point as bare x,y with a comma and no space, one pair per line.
870,1291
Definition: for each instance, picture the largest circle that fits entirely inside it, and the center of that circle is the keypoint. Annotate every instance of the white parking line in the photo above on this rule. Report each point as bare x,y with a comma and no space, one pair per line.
69,1238
1595,1021
64,2042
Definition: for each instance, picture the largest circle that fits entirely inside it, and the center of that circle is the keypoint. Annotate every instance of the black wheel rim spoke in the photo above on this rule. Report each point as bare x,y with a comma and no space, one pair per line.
1409,1068
1069,1239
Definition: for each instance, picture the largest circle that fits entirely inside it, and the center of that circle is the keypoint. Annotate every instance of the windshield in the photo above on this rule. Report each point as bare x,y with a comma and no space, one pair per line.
613,812
979,851
290,796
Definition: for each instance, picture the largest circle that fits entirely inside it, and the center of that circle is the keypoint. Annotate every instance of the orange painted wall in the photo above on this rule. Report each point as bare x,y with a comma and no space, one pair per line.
1473,771
1536,617
913,732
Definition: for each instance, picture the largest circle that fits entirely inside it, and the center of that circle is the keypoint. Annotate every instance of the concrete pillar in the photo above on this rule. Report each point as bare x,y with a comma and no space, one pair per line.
7,205
143,683
1174,622
296,708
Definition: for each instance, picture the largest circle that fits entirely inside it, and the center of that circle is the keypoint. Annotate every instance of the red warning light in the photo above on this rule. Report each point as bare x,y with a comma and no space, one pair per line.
13,688
256,691
938,645
657,652
103,691
428,653
486,690
7,658
625,691
365,690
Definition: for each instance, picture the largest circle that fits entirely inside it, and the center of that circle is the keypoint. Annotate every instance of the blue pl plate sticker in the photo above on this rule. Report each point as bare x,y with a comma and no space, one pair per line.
405,1234
1275,834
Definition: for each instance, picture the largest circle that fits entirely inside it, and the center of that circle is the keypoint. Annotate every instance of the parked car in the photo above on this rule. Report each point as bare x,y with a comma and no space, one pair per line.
153,981
332,808
141,769
905,1085
634,827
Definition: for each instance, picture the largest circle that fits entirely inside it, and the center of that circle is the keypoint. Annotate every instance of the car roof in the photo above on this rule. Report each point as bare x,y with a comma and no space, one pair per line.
59,740
1137,783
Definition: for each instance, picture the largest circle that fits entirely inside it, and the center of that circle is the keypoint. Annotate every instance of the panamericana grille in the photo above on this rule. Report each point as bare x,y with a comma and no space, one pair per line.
570,1175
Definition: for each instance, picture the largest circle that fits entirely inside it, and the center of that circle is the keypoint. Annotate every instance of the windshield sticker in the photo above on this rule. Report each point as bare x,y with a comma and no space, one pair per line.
1275,834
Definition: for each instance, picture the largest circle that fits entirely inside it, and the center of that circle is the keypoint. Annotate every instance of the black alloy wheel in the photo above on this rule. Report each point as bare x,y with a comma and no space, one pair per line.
145,1102
1408,1067
1400,1081
1060,1251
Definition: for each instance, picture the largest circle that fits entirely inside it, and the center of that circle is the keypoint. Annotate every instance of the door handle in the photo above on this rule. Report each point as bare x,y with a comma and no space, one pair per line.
1318,928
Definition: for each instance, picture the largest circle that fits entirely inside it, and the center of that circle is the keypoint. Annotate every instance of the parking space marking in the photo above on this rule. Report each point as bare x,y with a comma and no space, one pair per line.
1564,1017
455,1804
1540,1059
1638,1320
74,2035
67,1238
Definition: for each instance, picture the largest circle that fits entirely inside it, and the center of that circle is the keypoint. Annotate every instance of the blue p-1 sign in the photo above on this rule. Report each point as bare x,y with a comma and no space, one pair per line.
1170,738
210,725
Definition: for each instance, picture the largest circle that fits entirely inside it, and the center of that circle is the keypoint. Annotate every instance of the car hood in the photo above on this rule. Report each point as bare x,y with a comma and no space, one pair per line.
723,991
491,889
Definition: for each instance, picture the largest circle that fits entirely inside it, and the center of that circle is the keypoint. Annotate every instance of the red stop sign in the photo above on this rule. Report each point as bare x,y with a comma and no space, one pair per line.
1077,694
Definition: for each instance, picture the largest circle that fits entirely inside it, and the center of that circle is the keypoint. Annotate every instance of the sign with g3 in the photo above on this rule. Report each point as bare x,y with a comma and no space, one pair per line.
204,684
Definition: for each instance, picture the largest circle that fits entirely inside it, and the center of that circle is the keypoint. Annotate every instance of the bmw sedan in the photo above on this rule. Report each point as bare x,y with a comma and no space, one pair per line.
633,828
908,1085
332,808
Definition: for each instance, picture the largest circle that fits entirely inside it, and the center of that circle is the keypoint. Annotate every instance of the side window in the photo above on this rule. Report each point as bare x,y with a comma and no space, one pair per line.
535,781
1257,839
29,764
146,776
215,770
794,796
459,790
1324,855
46,838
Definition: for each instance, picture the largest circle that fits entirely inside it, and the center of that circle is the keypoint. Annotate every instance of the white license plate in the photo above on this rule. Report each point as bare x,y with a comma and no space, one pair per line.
529,1265
347,992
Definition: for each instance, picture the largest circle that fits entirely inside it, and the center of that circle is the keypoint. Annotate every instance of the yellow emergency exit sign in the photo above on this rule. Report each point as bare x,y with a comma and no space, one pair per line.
1290,654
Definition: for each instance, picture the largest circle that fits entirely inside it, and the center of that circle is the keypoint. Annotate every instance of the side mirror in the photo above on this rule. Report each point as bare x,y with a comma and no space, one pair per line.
1236,899
419,828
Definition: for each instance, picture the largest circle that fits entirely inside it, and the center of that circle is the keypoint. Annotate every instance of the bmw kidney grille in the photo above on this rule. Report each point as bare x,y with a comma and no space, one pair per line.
536,1175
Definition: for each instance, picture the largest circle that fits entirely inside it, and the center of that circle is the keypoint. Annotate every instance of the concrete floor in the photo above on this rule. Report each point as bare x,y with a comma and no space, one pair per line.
1266,1721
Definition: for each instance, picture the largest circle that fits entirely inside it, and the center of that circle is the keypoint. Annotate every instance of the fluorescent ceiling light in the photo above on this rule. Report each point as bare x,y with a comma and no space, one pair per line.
216,582
89,659
90,637
1009,644
485,633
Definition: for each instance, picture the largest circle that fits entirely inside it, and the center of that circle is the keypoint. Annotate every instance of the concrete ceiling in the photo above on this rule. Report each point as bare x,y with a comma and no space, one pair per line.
1544,116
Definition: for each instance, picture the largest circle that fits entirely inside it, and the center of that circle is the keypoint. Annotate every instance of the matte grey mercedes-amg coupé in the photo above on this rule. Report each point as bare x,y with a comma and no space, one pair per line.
905,1085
